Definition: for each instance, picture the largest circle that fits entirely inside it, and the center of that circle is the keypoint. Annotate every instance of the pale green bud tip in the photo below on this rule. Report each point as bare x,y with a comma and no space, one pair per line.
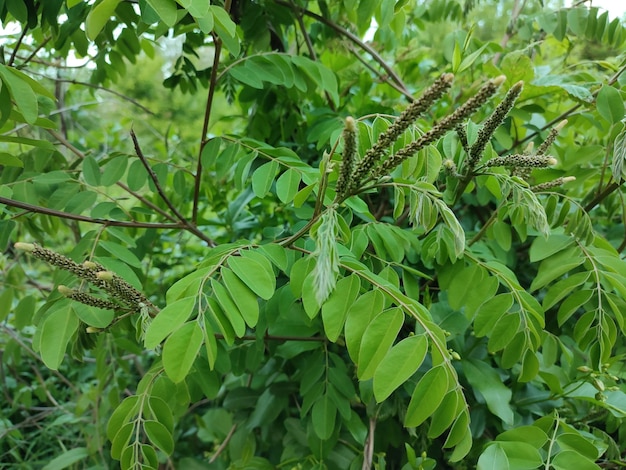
92,329
24,246
448,77
552,161
584,369
455,355
105,275
64,290
499,80
448,164
529,148
350,124
567,179
560,125
89,265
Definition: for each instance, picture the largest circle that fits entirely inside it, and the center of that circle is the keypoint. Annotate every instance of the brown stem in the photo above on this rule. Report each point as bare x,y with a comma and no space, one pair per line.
207,117
223,445
368,449
17,46
34,53
83,218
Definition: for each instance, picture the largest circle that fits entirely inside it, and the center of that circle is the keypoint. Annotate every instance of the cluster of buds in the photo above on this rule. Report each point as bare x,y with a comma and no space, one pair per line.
123,295
378,151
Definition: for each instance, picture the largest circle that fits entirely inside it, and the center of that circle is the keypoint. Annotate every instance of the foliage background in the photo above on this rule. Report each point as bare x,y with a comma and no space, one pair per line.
511,343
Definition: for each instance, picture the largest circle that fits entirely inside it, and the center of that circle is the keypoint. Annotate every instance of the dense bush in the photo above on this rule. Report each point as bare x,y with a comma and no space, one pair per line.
240,235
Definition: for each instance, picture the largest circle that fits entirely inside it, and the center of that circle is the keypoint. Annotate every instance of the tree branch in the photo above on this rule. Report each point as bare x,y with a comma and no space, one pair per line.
83,218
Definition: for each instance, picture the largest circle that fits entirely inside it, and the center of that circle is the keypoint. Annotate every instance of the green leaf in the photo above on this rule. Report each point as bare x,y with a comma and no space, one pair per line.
323,415
263,177
577,443
610,104
377,339
398,365
56,332
166,10
6,159
556,265
121,253
484,379
21,92
504,331
254,275
121,439
168,320
98,16
124,413
522,455
490,312
562,288
335,309
159,436
493,458
362,311
443,417
287,185
572,304
569,459
245,299
94,316
543,248
181,349
67,459
427,396
532,435
229,307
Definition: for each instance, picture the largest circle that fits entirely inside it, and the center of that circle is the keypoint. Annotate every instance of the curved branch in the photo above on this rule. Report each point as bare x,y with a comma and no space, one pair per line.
83,218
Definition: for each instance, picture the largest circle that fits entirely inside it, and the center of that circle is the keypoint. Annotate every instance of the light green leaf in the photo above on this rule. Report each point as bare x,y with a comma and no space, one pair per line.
490,312
398,365
610,104
378,338
254,275
362,311
181,349
229,307
67,459
21,92
497,396
166,10
121,253
6,159
522,455
532,435
504,331
323,415
263,177
427,396
556,265
335,309
445,414
577,443
56,332
98,16
569,459
159,436
287,185
168,320
493,458
245,299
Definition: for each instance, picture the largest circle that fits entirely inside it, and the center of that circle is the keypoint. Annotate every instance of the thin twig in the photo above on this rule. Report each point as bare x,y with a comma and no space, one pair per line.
139,197
217,51
17,46
312,54
37,49
223,445
368,449
153,176
83,218
99,87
